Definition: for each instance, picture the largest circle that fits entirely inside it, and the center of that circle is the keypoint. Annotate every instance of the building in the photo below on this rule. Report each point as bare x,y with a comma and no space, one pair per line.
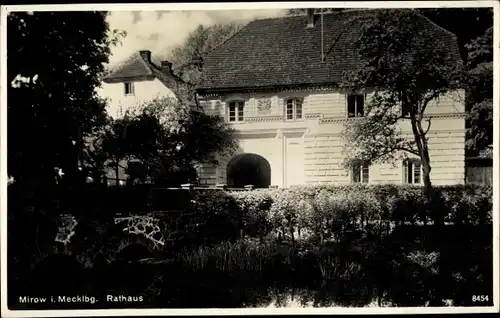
275,83
132,82
137,80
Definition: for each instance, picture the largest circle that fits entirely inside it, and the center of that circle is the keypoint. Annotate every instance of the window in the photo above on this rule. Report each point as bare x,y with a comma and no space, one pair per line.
129,88
294,109
236,111
355,105
360,173
413,172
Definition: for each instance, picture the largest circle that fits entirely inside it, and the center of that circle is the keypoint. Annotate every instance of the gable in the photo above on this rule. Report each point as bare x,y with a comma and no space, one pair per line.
283,52
139,68
133,68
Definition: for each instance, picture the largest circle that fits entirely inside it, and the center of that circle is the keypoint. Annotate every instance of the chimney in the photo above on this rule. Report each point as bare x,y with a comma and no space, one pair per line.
310,18
166,66
146,55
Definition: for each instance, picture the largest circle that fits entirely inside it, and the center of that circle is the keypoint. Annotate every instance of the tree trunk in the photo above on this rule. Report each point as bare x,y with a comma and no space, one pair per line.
433,208
422,146
117,170
292,235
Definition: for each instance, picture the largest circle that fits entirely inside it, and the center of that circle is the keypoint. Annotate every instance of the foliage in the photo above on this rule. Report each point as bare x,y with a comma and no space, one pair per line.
163,139
407,69
55,62
473,28
253,206
215,217
402,265
331,213
480,93
188,59
95,157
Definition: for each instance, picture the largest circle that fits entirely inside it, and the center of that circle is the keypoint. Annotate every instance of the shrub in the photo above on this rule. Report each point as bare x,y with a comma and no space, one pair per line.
471,204
327,210
215,217
254,207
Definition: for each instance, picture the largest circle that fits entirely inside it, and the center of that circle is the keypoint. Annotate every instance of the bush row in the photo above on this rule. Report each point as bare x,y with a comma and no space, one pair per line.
327,211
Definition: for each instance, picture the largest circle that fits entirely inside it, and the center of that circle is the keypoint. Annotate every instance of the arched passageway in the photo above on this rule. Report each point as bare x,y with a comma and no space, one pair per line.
248,169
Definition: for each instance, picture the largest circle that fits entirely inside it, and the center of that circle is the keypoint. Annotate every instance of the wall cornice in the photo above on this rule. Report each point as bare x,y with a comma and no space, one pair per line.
260,119
330,120
408,132
272,89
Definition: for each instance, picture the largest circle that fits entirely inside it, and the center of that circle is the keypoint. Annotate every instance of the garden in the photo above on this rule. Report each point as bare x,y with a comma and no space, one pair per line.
325,246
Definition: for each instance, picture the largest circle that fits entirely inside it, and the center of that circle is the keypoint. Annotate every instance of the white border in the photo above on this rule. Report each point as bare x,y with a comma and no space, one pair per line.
236,6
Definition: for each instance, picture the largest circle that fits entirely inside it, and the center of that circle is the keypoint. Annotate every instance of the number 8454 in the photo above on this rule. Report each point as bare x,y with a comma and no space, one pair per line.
480,298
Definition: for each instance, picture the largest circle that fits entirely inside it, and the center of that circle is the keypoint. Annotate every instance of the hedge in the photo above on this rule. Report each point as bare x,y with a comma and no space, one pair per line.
326,211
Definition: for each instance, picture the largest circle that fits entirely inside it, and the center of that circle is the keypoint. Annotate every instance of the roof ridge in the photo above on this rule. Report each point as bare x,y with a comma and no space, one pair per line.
282,52
289,16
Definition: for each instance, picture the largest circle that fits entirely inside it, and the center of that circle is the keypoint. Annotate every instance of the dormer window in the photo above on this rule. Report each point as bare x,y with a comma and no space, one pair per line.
360,173
412,171
293,109
355,105
236,111
129,89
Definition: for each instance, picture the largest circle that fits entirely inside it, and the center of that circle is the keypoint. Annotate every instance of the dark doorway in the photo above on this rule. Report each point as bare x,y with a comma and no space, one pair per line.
248,169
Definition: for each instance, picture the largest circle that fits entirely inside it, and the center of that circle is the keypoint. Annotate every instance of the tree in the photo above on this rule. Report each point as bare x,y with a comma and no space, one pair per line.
188,59
473,27
55,62
94,156
407,69
480,93
163,140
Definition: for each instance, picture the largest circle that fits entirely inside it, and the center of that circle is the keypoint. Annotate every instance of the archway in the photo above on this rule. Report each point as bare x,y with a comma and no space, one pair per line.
248,169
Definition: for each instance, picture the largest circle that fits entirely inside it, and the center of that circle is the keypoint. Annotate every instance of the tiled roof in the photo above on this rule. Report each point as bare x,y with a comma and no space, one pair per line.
133,67
283,52
136,67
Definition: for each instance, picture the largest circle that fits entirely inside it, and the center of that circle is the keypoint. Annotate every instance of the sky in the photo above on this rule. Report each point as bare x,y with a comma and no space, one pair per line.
161,31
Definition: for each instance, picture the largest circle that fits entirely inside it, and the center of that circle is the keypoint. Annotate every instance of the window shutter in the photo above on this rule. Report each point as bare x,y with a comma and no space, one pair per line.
299,109
366,173
241,107
289,109
232,111
417,172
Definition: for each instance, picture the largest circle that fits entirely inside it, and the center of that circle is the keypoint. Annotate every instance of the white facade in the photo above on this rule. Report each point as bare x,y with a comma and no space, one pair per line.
142,91
309,149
